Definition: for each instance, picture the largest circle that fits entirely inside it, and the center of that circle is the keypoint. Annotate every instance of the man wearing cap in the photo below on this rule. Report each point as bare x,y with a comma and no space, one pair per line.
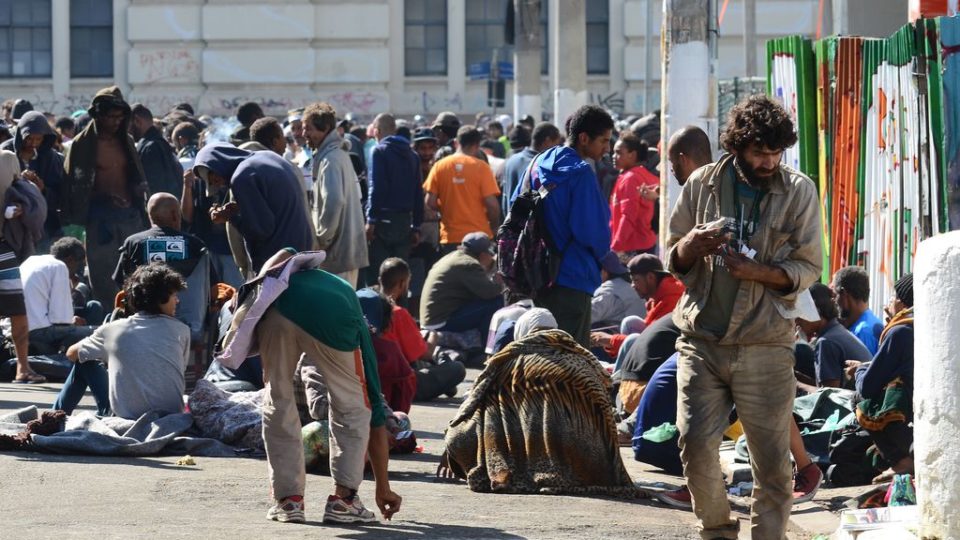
745,239
650,281
267,208
463,189
395,197
104,188
445,128
545,135
615,299
459,294
886,385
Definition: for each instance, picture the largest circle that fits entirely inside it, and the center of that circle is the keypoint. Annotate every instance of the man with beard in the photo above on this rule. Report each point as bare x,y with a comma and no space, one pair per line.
744,240
160,165
851,285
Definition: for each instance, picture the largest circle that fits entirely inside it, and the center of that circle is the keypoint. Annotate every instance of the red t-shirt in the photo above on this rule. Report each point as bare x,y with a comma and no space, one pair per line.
404,332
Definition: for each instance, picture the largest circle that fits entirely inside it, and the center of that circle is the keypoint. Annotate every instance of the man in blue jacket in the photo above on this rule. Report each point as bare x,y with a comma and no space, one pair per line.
395,197
268,206
577,217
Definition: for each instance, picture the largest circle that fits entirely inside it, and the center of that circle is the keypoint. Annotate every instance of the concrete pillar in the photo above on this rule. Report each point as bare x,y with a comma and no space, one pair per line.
457,49
395,43
937,385
568,60
689,82
526,60
60,45
750,37
121,45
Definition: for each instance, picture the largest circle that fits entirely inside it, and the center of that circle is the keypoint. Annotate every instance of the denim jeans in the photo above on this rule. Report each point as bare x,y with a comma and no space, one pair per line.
57,338
474,315
85,374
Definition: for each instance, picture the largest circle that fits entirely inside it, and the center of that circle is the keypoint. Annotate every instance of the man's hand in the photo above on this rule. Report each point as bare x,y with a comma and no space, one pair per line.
851,368
79,321
444,472
740,266
389,503
33,178
188,180
697,244
222,214
370,229
600,339
650,193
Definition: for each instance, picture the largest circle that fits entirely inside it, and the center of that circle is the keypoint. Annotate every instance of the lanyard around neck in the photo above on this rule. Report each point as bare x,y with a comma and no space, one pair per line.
754,212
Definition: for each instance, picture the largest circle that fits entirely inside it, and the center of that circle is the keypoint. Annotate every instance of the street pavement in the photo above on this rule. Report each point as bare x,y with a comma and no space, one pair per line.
85,497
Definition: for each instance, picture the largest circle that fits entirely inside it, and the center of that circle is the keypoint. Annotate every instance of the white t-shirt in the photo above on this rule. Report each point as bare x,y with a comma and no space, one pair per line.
46,291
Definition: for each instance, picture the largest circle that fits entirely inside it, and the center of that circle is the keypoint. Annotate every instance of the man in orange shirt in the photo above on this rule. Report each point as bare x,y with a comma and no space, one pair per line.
652,282
463,189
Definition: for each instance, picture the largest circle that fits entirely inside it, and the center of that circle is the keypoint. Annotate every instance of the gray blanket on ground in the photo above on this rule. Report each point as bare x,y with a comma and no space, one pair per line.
149,435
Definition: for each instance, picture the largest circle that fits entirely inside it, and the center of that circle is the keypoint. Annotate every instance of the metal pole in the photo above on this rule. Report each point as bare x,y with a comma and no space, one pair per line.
648,57
750,37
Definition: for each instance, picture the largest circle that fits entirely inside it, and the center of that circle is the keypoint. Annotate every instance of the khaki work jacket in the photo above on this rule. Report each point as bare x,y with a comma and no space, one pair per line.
788,236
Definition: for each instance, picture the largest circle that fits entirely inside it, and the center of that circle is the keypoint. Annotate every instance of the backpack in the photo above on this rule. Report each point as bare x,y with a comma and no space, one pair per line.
527,258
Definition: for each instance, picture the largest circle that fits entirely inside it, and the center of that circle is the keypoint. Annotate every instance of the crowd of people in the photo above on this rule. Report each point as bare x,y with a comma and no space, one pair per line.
366,266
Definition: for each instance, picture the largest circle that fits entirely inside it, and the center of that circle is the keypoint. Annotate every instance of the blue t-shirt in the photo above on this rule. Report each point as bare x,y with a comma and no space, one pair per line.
867,329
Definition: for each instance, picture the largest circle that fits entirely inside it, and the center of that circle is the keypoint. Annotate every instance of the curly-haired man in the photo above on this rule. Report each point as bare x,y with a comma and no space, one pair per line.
145,354
744,240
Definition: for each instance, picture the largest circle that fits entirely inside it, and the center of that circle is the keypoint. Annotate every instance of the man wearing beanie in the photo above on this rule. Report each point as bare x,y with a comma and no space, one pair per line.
886,385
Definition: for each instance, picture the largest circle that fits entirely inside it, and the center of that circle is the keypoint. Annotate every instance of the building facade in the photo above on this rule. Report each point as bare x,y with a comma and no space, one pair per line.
365,56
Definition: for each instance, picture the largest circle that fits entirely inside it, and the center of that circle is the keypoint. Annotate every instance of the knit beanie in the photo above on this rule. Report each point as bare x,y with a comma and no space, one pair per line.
904,289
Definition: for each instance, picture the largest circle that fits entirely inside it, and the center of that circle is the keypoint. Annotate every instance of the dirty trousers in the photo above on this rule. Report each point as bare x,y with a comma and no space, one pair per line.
759,380
281,345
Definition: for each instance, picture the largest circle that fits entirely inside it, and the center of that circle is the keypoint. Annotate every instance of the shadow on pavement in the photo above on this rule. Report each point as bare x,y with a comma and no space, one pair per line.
415,529
102,460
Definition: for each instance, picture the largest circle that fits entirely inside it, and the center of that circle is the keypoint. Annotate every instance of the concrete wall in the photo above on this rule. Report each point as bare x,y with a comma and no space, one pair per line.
217,54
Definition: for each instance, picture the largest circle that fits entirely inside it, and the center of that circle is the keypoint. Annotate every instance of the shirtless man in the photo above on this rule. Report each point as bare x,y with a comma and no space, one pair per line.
104,188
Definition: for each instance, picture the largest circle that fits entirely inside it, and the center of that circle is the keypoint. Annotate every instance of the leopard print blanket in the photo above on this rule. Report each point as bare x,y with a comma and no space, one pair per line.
539,420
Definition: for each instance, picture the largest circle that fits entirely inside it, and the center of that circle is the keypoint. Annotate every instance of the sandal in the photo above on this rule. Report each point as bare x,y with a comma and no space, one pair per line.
30,378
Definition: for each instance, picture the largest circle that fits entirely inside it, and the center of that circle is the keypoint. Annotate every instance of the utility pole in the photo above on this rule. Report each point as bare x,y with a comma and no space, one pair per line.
750,37
648,57
689,83
526,60
568,60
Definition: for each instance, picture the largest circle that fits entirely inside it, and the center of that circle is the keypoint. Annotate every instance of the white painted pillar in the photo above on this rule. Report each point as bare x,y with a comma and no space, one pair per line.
937,385
457,51
121,45
395,43
568,59
689,83
526,60
60,47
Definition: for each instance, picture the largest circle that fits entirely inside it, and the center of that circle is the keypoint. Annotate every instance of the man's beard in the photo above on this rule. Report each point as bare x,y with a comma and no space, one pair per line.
750,174
844,314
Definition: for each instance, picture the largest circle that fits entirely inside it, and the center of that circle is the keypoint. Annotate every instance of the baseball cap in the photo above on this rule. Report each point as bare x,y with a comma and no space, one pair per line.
447,119
611,263
423,134
372,307
646,263
476,243
519,137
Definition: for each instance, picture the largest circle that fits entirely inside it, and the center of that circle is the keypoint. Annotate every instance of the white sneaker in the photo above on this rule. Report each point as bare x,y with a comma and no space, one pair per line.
287,510
340,510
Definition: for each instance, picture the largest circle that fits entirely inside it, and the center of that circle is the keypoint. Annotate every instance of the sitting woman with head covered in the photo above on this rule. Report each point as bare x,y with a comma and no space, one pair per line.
538,420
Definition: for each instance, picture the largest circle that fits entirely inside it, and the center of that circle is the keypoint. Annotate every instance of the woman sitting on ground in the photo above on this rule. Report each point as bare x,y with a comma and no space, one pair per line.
538,420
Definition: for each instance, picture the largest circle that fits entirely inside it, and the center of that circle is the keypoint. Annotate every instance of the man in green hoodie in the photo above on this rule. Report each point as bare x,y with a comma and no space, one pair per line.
104,188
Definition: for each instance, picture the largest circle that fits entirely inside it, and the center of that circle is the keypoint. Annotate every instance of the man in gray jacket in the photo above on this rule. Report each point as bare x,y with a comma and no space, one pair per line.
337,211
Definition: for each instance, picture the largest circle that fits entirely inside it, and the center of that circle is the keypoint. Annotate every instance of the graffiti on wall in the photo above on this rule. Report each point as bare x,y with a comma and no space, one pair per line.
613,101
165,65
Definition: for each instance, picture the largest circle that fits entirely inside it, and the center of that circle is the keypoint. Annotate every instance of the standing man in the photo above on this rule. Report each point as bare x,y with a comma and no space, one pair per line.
337,211
744,240
160,164
268,207
577,217
545,135
247,114
462,188
395,197
445,128
104,188
688,150
851,285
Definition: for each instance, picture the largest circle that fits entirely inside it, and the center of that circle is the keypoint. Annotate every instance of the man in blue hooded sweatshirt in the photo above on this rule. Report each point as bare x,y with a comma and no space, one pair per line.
577,217
268,206
395,197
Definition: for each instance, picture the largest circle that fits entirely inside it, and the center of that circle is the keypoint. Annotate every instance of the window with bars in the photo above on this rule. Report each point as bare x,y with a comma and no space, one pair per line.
25,44
425,37
486,24
598,37
91,38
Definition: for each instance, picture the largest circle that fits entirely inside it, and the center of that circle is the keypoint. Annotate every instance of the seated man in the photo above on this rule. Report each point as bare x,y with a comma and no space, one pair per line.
661,290
834,344
886,385
146,353
459,295
163,242
48,294
433,379
615,299
851,285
